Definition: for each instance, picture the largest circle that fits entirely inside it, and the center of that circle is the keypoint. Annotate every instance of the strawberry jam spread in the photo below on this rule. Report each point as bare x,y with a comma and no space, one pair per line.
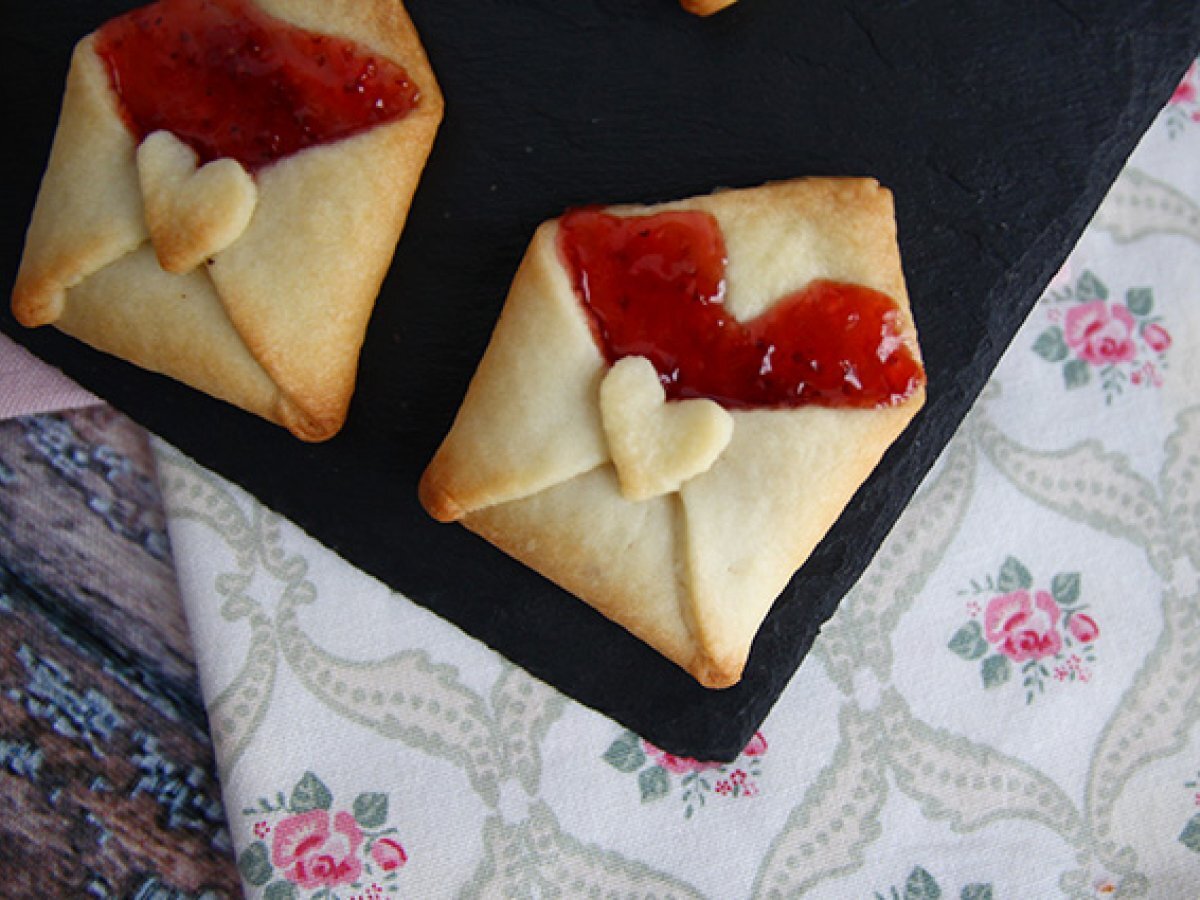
231,81
654,286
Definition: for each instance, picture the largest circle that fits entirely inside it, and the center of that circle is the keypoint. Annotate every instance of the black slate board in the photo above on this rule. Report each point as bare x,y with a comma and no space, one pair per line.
998,125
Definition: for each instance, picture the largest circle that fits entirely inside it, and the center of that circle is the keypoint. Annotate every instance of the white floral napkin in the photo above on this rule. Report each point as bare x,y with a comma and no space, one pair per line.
1005,706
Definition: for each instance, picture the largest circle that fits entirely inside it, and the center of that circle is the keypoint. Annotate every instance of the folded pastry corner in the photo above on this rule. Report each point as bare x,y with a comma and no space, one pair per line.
679,400
193,225
706,7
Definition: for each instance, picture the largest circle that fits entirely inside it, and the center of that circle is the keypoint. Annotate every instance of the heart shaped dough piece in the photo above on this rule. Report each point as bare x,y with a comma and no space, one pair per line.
191,213
656,446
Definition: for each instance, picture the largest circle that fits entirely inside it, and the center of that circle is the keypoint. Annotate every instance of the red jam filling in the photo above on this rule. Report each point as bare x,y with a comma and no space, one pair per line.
230,81
654,286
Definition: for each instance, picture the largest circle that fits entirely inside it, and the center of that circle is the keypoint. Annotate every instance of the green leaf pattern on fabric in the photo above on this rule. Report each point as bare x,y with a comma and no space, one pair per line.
625,753
310,793
996,670
653,783
371,809
968,641
255,864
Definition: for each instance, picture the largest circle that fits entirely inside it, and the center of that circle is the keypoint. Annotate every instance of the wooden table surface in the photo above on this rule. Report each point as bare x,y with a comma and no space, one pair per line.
107,782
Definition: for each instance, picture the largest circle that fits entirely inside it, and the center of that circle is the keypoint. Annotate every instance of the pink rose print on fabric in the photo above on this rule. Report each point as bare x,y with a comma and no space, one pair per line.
313,855
660,774
1156,337
1095,340
388,854
1083,628
1186,91
1041,630
1023,627
677,765
1100,333
757,745
1183,109
321,850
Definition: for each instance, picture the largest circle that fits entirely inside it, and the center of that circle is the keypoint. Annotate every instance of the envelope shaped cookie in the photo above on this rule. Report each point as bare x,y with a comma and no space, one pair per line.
225,191
679,400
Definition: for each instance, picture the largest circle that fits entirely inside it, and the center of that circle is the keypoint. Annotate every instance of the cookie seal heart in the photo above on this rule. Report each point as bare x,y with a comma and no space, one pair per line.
656,446
191,213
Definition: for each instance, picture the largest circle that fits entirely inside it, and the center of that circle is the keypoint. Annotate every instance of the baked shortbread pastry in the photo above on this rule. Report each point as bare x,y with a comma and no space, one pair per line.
225,192
679,400
705,7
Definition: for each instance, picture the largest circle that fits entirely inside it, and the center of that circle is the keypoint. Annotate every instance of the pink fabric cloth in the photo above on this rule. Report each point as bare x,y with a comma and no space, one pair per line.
28,386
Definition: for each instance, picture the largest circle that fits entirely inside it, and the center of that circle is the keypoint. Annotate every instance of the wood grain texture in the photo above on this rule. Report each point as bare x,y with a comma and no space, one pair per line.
108,786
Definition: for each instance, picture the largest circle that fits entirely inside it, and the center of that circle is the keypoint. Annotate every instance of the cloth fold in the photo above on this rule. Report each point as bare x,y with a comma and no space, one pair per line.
28,386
